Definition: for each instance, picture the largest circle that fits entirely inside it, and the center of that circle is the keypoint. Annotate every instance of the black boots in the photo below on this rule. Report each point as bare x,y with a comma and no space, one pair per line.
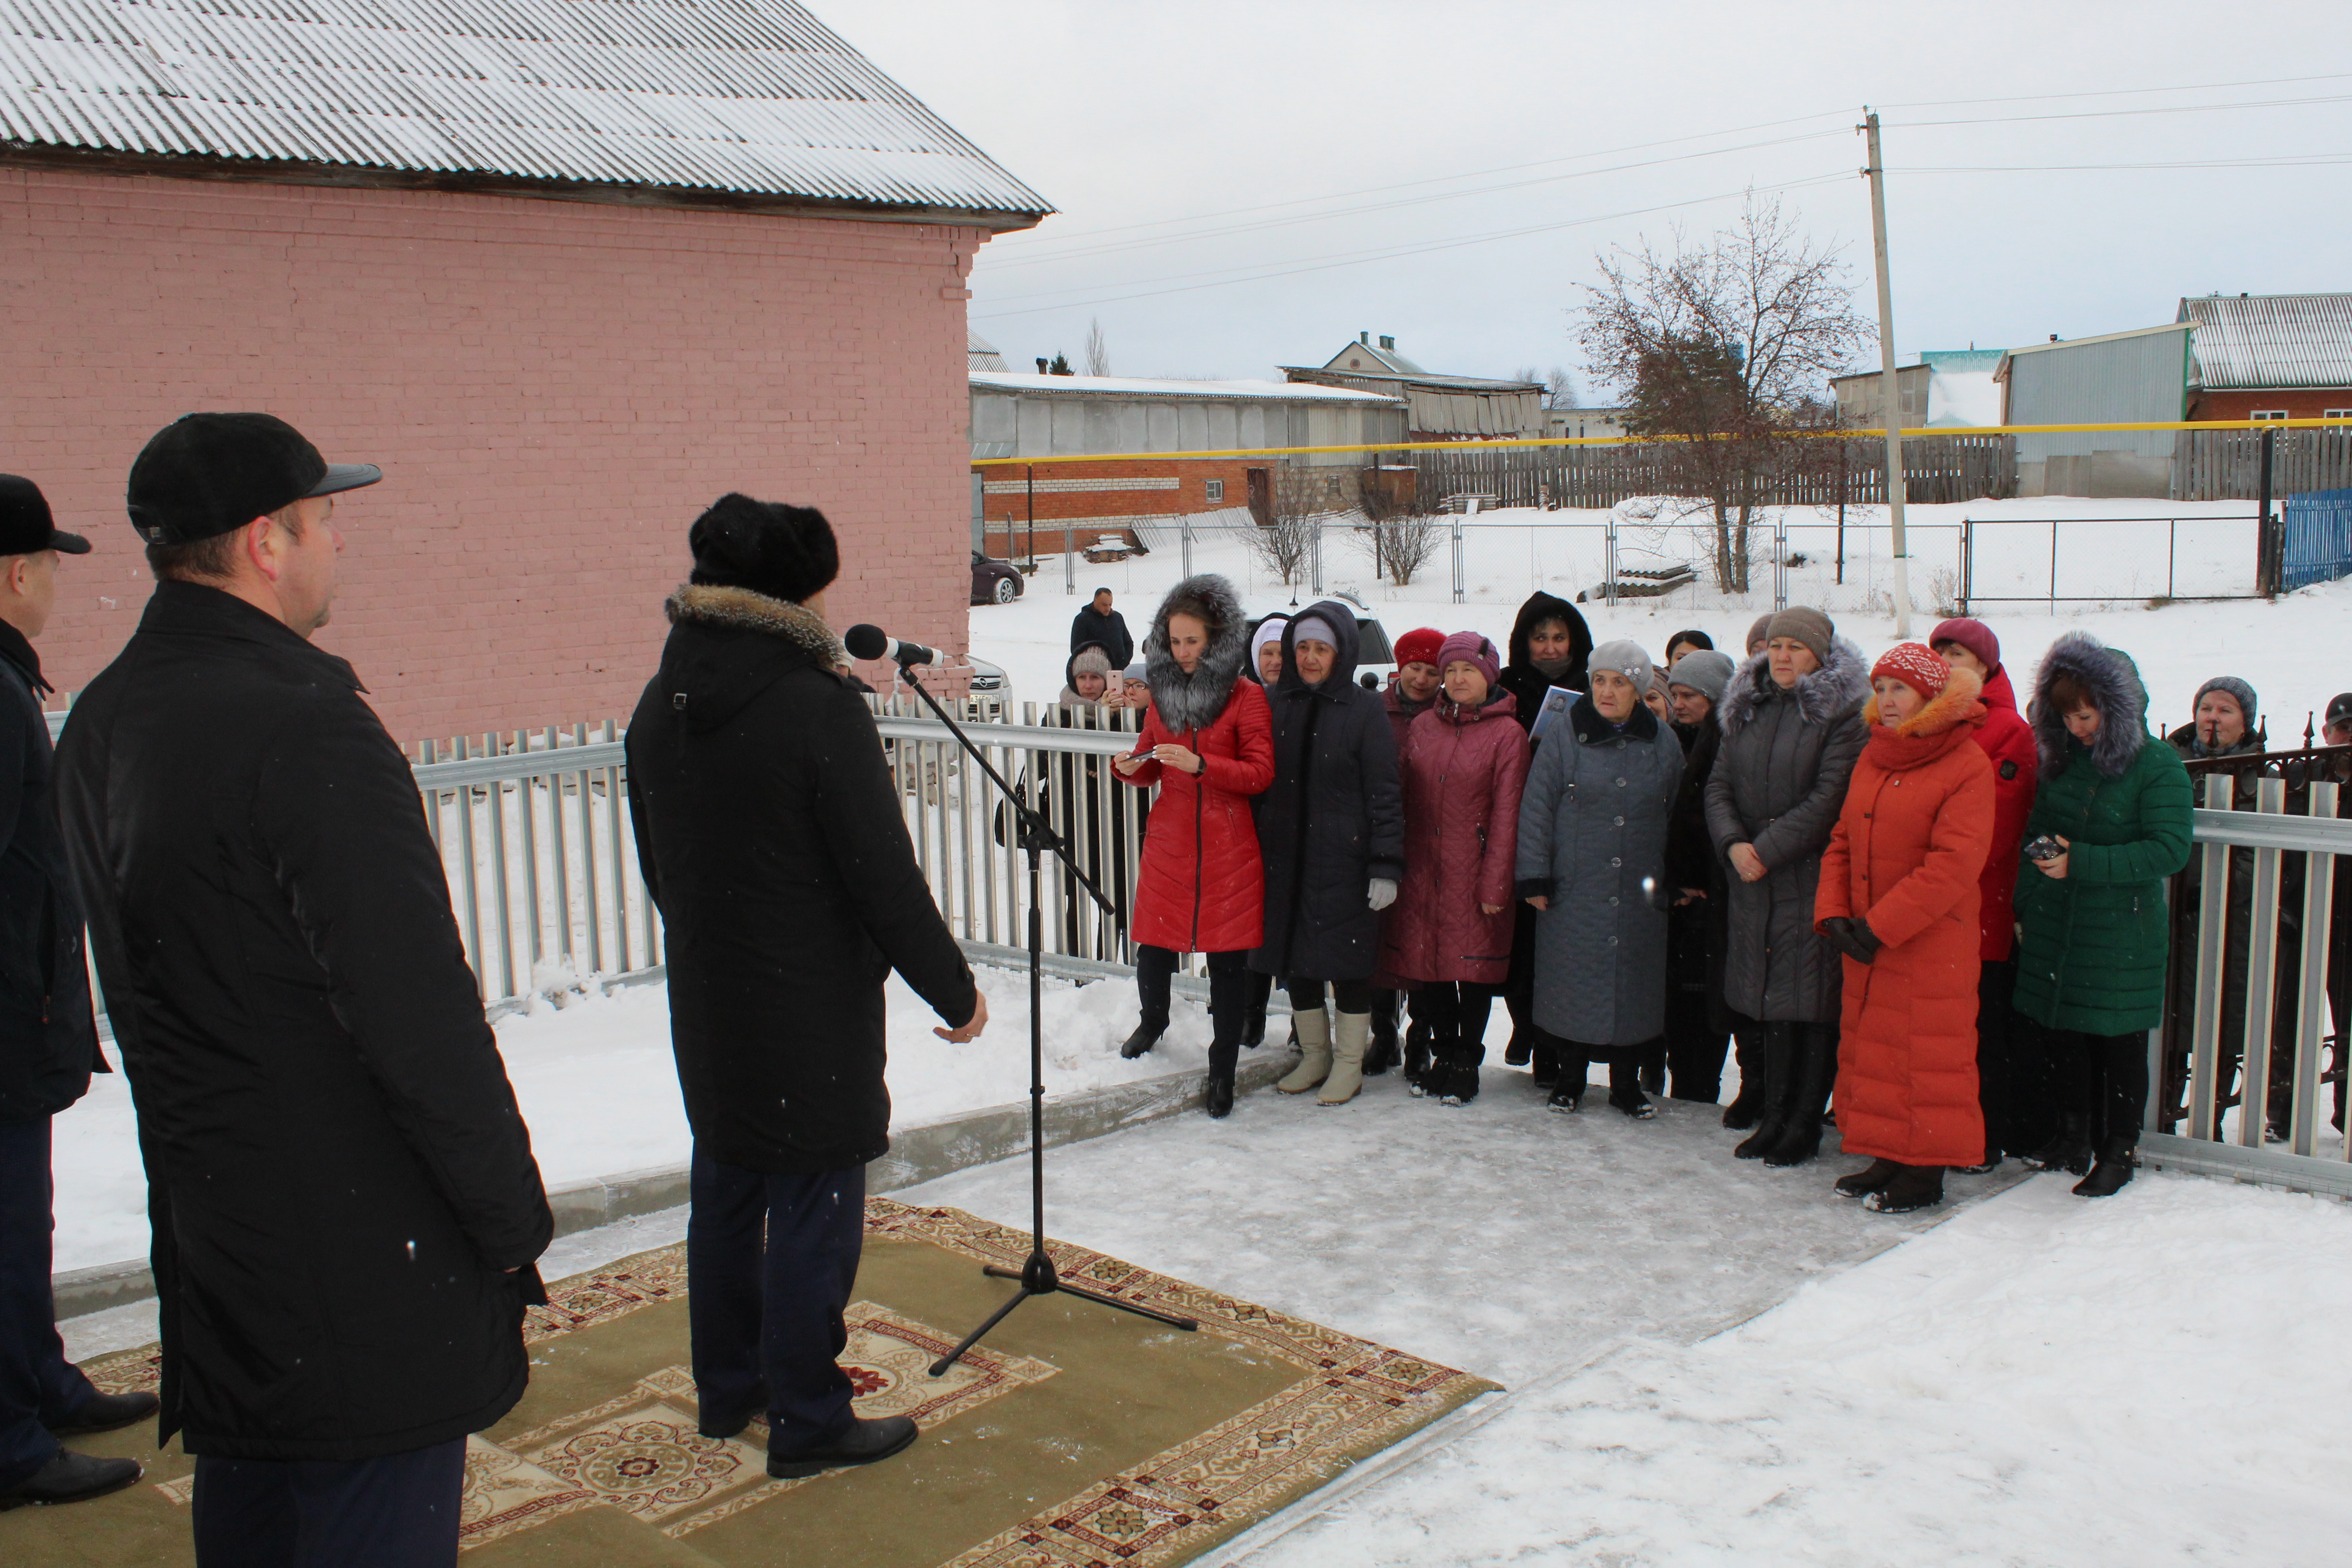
1544,1062
1382,1054
2113,1169
1139,1042
1747,1105
1417,1060
2069,1149
1221,1095
1871,1179
1773,1081
1253,1026
1814,1071
1913,1187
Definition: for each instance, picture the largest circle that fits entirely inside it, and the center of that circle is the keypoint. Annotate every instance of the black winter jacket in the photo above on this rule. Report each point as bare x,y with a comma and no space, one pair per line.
773,840
338,1178
1107,633
1521,678
49,1041
1334,818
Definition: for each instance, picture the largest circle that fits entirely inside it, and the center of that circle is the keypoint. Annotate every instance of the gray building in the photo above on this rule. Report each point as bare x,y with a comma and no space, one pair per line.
1438,408
2144,376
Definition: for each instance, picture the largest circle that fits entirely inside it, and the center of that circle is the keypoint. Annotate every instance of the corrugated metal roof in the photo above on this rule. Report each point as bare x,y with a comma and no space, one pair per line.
2272,341
749,96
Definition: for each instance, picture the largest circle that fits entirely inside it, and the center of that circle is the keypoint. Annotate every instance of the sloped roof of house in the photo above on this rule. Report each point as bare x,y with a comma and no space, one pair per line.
2272,341
750,99
1134,386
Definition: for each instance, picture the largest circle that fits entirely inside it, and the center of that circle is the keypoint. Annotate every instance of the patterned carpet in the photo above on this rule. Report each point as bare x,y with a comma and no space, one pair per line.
1075,1437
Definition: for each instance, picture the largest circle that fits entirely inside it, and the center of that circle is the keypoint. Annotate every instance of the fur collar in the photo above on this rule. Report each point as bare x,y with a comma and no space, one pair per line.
1825,696
2114,683
1592,730
1950,717
1186,703
740,609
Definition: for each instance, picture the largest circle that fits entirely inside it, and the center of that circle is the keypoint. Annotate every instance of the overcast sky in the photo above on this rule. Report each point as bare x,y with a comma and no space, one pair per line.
1160,131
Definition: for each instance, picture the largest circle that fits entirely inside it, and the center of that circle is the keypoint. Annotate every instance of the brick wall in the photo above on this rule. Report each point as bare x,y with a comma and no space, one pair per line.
554,390
2299,404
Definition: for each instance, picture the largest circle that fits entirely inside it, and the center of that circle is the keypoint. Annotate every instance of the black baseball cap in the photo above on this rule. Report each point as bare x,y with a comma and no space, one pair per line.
25,524
204,474
2339,709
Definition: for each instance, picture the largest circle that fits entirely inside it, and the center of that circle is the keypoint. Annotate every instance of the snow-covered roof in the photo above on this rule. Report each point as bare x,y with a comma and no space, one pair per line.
1129,386
751,97
2272,341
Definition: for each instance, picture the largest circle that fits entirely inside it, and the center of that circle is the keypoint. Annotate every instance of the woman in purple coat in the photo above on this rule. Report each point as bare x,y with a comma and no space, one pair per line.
1449,932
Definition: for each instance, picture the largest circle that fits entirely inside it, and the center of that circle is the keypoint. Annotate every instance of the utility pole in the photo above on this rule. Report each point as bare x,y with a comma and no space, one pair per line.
1876,176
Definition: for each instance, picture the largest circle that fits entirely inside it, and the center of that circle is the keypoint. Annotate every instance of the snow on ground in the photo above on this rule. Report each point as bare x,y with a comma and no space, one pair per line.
597,1086
2037,1379
1508,554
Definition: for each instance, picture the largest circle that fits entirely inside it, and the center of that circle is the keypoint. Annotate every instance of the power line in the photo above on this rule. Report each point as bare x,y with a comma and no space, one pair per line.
2115,113
2116,91
2291,161
1360,259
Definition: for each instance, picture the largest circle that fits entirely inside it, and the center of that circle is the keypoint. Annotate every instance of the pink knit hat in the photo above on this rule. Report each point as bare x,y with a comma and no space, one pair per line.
1470,647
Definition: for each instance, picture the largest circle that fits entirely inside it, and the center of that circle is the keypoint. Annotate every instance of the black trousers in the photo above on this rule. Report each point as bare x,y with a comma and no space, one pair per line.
37,1385
1230,996
396,1511
1456,1013
2103,1076
1575,1056
1347,995
1997,1096
771,1260
1695,1048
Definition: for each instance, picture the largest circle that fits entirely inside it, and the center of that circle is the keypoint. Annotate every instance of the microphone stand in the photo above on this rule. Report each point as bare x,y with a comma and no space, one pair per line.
1037,1276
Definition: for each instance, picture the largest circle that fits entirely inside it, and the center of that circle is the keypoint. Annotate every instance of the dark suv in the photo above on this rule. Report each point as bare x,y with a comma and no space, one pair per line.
994,582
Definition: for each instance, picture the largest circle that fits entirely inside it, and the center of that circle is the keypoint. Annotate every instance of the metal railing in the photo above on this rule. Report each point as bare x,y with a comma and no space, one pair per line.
2284,999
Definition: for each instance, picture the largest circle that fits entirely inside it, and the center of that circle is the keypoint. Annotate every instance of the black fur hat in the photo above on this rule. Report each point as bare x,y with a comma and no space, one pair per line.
783,551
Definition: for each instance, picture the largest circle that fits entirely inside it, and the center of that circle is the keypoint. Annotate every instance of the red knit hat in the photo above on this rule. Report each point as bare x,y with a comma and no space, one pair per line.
1916,667
1971,634
1420,645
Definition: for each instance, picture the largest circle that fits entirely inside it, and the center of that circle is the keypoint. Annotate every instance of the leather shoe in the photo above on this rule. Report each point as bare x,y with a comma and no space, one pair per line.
862,1443
106,1412
69,1477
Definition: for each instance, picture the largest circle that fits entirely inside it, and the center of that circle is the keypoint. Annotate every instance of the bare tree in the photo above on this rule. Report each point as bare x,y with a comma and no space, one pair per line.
1718,349
1560,387
1097,349
1286,545
1398,546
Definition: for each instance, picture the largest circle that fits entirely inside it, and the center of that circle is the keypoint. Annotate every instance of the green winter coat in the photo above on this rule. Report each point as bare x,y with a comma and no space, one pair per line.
2092,945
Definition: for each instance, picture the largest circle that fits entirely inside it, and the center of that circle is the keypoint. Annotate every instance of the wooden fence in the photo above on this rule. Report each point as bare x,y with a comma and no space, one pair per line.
1936,467
2226,464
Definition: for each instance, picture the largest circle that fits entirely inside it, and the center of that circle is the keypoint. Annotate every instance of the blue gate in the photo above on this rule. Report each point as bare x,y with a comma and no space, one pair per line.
2318,543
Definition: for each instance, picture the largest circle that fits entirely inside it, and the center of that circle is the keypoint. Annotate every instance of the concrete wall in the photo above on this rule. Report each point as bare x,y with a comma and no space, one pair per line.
554,390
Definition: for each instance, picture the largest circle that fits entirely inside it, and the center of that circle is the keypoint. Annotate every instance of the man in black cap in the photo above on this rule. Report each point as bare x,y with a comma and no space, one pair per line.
773,840
49,1044
343,1197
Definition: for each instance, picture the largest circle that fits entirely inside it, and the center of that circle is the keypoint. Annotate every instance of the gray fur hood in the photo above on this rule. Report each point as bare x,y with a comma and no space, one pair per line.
2113,681
1828,694
740,609
1194,702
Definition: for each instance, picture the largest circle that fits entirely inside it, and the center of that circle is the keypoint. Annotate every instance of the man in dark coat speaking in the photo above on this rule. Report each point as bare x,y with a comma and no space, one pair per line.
48,1043
342,1197
772,840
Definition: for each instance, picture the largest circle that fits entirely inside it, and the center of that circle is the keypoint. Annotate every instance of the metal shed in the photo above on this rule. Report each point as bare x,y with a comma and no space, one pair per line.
2142,375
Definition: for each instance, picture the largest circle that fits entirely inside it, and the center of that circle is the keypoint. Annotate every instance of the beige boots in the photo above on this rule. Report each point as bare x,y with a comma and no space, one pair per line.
1352,1032
1335,1063
1313,1033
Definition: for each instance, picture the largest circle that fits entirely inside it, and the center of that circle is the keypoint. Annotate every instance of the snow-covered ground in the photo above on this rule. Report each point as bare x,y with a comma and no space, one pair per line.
1508,554
596,1084
2036,1380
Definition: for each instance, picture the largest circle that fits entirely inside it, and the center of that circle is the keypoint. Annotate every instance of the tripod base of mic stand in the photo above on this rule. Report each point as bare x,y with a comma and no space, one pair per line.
1037,1278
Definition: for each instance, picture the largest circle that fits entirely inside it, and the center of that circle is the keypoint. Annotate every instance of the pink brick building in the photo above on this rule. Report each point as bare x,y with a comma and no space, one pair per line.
561,332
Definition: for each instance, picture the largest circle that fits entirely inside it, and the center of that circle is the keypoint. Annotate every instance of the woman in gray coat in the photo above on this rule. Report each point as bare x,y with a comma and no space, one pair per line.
1593,853
1792,730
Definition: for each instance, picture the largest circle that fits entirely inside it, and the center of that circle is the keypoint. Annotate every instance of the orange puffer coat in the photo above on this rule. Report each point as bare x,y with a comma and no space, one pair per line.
1910,846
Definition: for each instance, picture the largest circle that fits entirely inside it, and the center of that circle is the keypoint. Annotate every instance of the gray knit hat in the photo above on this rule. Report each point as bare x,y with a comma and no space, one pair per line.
1759,632
2240,693
1806,624
1624,657
1706,673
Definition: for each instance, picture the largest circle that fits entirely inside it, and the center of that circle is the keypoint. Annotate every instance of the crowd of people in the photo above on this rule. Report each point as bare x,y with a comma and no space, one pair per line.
1877,881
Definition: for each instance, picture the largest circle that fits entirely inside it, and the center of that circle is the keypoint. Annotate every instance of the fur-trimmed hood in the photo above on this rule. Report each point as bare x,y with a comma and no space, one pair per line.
2113,681
1826,695
1186,703
740,609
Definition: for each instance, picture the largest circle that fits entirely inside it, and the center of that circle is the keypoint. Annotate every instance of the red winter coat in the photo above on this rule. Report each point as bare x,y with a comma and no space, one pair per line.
1201,887
1463,770
1910,844
2008,740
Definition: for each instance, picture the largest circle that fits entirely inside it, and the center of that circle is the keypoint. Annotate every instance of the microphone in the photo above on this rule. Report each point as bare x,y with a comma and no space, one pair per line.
868,641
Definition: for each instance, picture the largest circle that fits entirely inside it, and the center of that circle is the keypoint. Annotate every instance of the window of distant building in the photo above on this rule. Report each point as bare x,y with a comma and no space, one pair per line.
1216,489
2268,414
2336,414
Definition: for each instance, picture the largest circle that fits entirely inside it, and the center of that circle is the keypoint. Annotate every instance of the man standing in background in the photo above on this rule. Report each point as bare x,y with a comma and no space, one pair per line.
341,1193
1105,629
49,1044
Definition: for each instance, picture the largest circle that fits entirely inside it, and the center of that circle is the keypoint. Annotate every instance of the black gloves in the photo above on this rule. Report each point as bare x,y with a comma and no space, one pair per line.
1851,937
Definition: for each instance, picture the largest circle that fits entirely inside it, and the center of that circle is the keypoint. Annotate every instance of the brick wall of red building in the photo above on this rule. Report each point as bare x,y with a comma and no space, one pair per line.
554,390
2299,404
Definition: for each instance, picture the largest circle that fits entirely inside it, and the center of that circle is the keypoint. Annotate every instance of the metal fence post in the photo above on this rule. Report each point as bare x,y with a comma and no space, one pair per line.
1460,587
1609,560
